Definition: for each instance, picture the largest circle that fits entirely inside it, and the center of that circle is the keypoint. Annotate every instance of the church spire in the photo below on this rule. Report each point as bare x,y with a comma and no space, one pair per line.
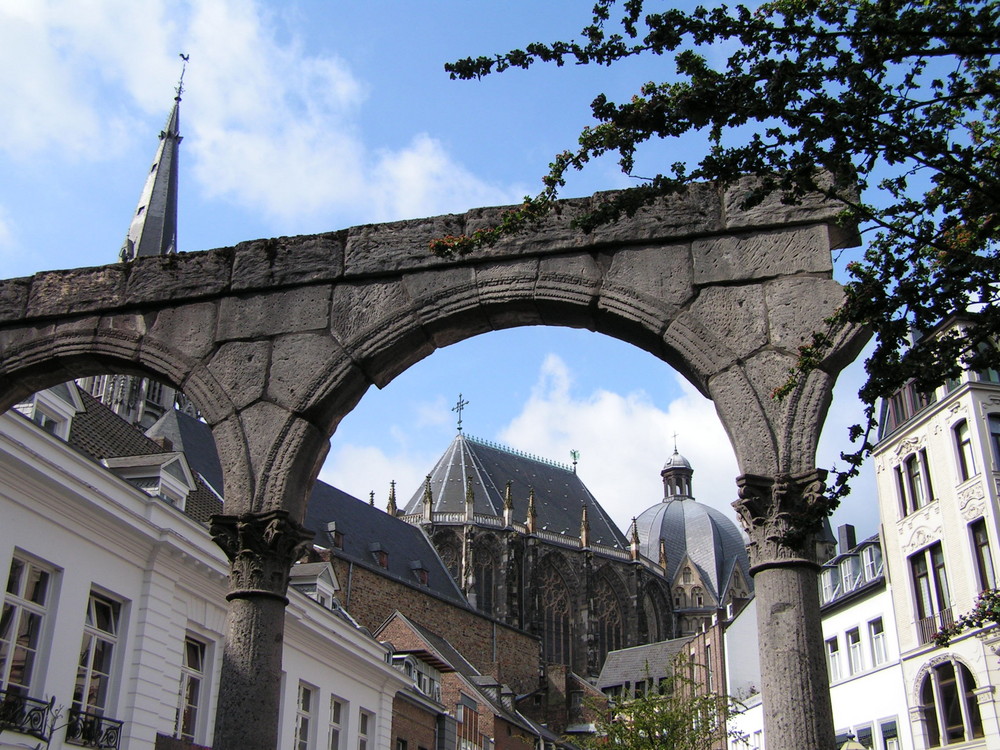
391,508
154,224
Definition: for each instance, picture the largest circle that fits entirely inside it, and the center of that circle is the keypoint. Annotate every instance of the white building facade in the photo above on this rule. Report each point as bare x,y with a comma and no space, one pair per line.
937,467
114,612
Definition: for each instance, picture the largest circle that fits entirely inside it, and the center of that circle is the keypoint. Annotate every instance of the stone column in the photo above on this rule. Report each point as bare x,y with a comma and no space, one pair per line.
261,548
782,516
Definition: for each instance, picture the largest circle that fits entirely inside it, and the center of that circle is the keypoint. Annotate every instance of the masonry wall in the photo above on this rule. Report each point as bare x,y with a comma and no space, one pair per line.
412,724
493,648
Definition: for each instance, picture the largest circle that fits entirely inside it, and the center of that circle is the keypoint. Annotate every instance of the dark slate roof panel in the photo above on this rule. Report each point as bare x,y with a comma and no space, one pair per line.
640,663
194,438
560,494
100,433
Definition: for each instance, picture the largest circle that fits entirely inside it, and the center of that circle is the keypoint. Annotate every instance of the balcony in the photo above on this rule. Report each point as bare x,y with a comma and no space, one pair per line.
927,627
19,713
91,730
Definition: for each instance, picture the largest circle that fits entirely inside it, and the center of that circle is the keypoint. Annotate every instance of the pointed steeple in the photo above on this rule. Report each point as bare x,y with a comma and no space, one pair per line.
154,224
391,507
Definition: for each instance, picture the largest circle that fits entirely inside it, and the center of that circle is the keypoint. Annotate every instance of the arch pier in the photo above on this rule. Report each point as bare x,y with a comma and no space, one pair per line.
276,340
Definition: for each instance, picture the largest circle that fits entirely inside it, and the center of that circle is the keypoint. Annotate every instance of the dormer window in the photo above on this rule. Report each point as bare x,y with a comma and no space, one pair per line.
163,475
53,409
380,555
420,572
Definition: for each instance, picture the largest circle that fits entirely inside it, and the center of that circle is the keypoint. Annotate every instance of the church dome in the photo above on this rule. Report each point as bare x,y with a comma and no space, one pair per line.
676,461
692,530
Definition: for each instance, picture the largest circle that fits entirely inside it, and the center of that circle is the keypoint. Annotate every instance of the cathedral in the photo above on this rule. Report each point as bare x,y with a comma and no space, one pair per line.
529,545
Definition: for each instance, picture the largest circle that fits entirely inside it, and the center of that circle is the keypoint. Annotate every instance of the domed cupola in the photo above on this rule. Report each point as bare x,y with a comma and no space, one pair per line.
676,475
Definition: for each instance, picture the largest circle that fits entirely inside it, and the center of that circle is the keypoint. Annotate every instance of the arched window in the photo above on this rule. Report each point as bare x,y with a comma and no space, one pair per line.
652,614
966,456
697,597
680,599
609,619
487,564
555,606
686,576
448,548
949,705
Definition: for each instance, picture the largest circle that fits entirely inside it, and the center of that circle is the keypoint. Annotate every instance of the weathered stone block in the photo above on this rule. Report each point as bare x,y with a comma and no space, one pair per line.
771,211
745,421
797,307
400,245
189,329
762,255
735,315
240,367
163,278
257,316
263,264
301,364
358,309
13,298
75,291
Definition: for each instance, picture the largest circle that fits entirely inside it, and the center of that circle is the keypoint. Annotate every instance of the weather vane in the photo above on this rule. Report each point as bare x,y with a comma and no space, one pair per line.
575,455
180,83
458,408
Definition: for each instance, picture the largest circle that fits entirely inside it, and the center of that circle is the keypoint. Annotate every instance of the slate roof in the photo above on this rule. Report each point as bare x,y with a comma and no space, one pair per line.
361,524
559,492
640,663
690,528
100,433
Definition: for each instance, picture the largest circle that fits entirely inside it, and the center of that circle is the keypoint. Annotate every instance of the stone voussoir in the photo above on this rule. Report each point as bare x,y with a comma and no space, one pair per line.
285,261
161,279
81,290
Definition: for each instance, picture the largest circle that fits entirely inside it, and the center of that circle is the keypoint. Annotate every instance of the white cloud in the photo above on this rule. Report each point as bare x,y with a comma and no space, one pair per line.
268,126
359,470
624,440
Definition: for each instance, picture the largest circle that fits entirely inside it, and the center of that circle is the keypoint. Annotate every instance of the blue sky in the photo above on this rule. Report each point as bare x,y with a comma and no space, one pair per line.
310,116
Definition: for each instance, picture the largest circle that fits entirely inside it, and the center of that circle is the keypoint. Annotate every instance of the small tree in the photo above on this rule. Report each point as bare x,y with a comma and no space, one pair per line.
675,715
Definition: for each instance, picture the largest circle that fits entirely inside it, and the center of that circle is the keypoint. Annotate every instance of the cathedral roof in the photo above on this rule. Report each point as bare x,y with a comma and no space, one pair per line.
485,468
696,531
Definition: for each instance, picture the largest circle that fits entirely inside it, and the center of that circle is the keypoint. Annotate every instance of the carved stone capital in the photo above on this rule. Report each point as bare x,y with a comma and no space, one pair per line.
261,548
783,517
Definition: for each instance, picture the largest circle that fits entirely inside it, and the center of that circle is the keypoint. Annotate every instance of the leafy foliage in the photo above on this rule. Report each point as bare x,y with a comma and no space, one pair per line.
895,99
985,612
677,715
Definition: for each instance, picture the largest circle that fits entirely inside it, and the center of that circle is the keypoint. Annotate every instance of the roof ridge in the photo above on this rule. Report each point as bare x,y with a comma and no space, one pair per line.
520,454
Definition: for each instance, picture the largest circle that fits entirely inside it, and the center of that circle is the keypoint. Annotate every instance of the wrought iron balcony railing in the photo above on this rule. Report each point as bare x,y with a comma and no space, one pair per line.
91,730
19,713
927,627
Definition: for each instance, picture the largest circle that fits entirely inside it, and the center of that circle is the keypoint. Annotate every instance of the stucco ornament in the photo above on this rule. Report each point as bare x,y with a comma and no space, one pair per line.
783,517
261,548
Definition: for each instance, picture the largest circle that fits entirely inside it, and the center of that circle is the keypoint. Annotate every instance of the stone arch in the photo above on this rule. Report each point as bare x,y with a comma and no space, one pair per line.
654,611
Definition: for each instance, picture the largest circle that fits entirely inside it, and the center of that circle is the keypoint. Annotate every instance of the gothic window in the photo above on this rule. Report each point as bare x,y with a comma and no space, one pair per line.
555,606
487,564
680,599
448,548
687,577
697,597
609,618
651,612
949,705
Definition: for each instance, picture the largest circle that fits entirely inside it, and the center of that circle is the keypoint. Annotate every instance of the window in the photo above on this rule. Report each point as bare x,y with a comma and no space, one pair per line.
876,632
708,668
400,743
863,735
468,725
913,482
831,579
366,726
854,651
849,572
982,554
337,714
949,705
303,716
871,561
555,617
698,596
930,588
190,693
100,638
833,659
24,609
963,445
994,422
890,736
686,576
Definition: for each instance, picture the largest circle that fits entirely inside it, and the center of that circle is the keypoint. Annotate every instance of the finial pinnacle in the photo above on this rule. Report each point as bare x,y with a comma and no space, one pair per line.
462,403
180,83
675,442
575,455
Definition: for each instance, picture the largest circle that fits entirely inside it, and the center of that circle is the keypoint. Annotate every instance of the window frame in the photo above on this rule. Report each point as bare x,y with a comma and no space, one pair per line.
366,727
337,722
965,455
833,659
22,605
929,578
94,634
879,642
982,554
855,654
305,714
185,728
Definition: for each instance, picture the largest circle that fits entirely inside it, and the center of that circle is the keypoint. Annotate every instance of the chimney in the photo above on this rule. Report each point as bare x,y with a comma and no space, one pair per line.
846,539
